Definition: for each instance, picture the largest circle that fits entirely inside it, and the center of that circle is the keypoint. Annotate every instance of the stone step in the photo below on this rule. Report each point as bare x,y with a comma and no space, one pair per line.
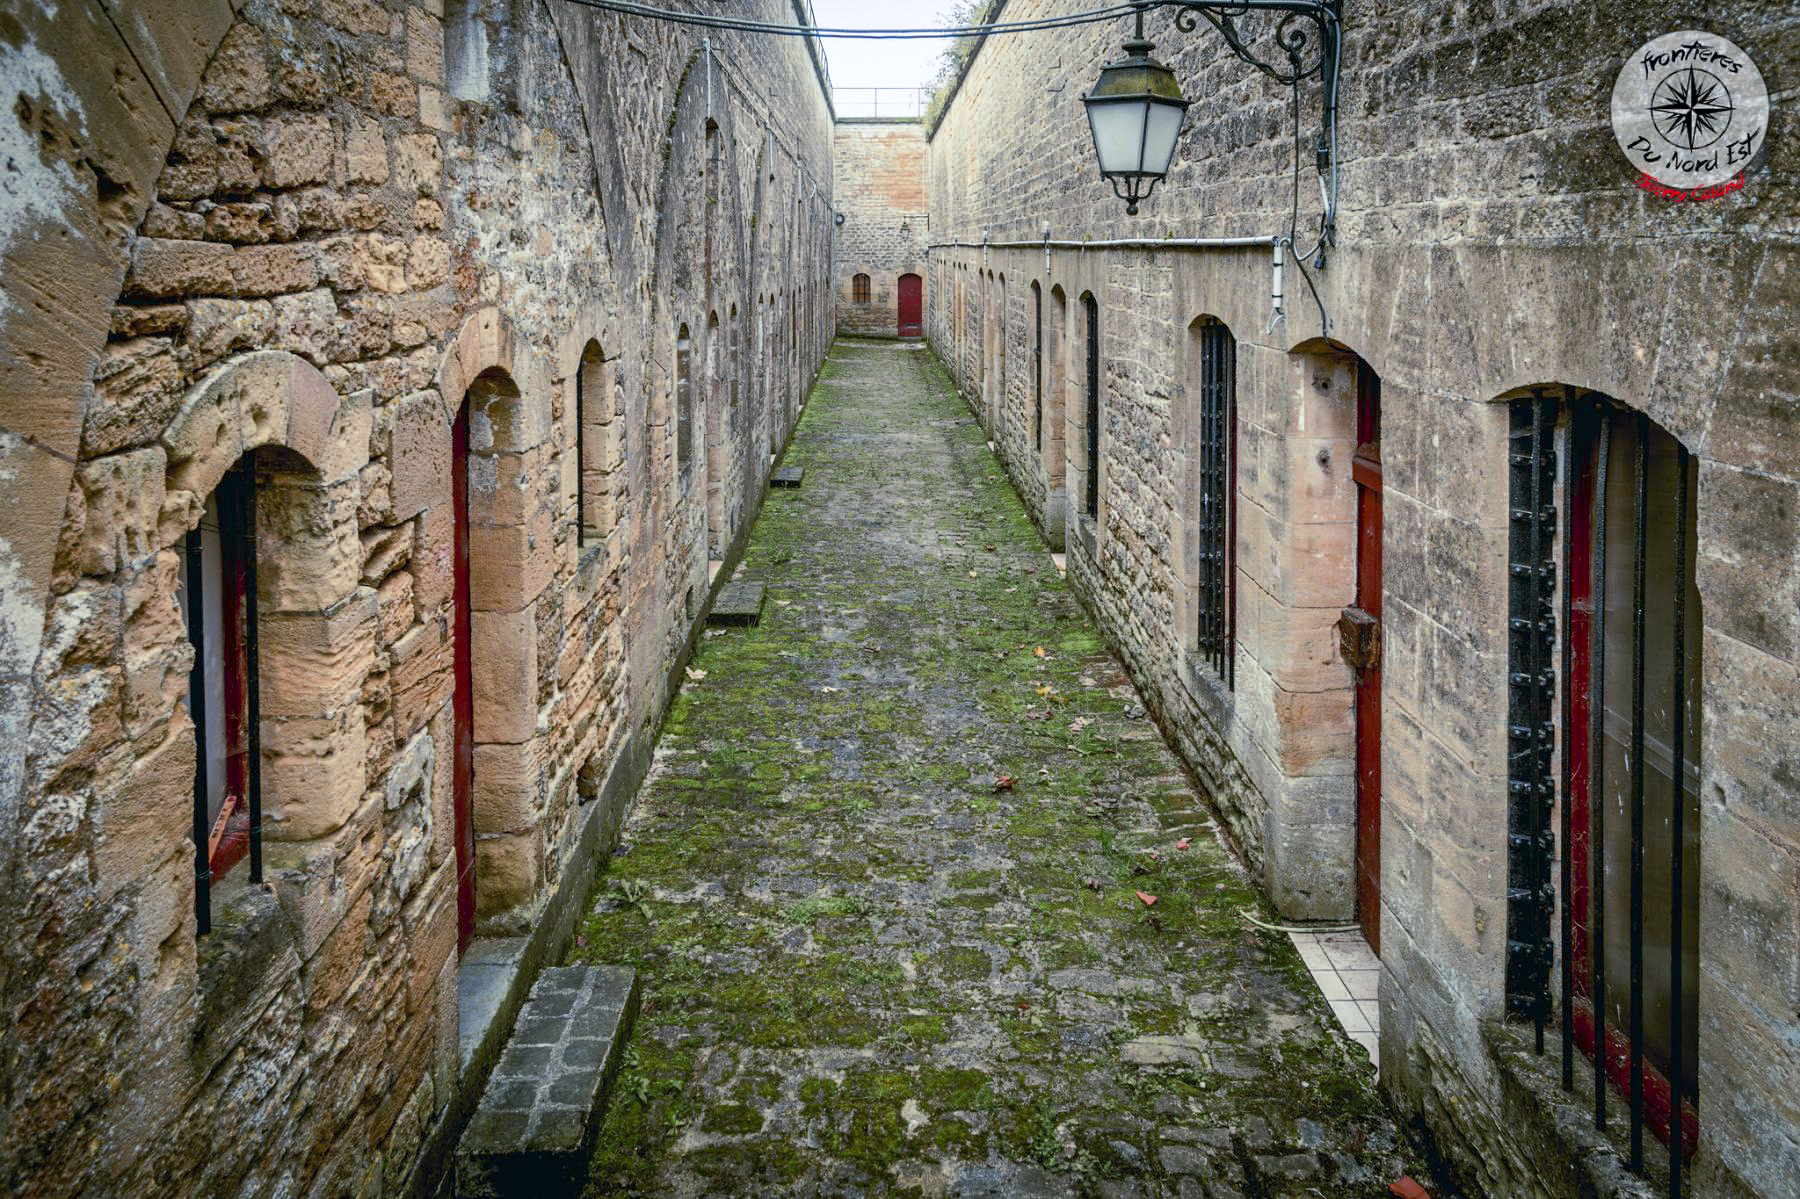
539,1117
738,604
788,476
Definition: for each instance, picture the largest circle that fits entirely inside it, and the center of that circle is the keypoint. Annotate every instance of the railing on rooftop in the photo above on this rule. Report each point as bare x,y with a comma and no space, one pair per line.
884,103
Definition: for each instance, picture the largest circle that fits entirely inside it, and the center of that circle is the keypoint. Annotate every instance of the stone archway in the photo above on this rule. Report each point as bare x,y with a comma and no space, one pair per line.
491,386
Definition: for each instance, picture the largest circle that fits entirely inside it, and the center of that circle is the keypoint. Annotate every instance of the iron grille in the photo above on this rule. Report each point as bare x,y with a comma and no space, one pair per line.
1531,680
1092,497
1218,374
1565,803
1037,369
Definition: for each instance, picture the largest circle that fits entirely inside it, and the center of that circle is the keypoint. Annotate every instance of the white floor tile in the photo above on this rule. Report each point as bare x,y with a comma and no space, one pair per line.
1363,984
1331,986
1313,954
1350,1015
1347,955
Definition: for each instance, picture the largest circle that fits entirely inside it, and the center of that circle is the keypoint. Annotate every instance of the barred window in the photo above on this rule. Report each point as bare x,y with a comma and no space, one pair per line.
1091,498
684,406
1606,934
1217,482
1037,367
859,289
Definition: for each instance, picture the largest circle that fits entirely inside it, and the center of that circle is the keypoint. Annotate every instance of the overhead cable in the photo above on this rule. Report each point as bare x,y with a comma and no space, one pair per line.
745,25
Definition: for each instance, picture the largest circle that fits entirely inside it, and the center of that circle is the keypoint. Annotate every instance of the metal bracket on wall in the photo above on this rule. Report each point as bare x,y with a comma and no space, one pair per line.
1310,35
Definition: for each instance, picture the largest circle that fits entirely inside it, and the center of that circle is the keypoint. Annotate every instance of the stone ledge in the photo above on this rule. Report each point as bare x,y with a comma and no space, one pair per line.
1554,1128
788,476
535,1128
738,604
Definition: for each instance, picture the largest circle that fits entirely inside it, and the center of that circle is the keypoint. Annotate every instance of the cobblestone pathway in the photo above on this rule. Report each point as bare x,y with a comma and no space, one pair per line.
868,968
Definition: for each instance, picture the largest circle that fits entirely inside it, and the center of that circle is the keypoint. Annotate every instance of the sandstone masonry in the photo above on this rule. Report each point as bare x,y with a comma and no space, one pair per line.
318,238
1491,239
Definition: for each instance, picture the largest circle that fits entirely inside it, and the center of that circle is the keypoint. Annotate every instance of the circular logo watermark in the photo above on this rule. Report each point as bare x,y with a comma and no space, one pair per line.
1690,110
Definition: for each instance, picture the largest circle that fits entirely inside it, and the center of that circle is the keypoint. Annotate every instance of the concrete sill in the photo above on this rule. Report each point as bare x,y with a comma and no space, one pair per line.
1209,690
487,978
1554,1128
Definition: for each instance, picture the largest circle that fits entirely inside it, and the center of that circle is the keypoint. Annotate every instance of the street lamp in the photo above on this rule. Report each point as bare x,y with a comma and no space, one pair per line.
1135,112
1136,107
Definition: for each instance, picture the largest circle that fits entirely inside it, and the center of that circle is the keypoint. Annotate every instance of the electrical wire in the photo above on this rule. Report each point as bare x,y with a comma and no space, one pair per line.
746,25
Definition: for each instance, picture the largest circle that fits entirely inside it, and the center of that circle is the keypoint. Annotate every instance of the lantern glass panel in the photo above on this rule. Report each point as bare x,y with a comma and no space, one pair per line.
1119,135
1159,141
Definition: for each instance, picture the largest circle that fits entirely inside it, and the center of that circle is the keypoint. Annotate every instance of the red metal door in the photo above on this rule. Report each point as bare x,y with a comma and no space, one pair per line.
1365,470
463,702
912,306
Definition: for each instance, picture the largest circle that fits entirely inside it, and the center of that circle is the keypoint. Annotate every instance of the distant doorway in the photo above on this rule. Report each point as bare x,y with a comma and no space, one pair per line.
912,306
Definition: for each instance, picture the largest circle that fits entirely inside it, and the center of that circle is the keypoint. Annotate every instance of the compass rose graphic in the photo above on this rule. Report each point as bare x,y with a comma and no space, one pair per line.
1690,112
1692,108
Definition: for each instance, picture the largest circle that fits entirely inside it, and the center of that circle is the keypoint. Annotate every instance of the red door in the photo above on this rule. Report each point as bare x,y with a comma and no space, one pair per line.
912,306
463,702
1365,470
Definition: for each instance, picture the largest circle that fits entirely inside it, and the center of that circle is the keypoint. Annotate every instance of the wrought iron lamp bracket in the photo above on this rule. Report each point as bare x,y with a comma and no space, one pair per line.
1310,35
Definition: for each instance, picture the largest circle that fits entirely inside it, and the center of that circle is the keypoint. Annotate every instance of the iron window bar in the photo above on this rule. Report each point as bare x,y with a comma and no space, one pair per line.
1037,369
1218,369
1092,488
1620,1060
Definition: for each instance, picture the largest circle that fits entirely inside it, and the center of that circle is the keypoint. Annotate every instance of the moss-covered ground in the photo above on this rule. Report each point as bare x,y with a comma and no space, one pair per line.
870,965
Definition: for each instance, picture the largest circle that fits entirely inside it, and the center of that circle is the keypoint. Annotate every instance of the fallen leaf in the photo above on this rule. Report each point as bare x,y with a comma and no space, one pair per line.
694,676
1004,783
989,548
1039,651
828,690
1182,844
1406,1188
1047,689
1079,723
1155,857
971,574
1149,900
1010,590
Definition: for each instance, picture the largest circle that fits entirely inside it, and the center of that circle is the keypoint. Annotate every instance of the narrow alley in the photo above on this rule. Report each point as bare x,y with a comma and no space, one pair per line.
920,901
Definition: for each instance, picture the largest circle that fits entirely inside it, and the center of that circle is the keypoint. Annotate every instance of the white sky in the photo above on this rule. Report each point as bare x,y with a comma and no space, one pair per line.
861,63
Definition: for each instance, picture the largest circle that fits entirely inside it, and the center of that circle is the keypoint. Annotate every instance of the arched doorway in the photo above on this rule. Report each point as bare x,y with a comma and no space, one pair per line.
912,306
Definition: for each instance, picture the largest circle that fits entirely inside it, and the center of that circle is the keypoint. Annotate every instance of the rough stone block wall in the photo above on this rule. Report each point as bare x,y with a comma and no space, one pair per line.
883,193
313,232
1491,239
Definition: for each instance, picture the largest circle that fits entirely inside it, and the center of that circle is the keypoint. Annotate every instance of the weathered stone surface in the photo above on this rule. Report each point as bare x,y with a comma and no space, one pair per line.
738,604
865,962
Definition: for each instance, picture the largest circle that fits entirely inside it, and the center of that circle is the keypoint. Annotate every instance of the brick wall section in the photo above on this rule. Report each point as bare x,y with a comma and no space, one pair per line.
334,253
881,188
1492,238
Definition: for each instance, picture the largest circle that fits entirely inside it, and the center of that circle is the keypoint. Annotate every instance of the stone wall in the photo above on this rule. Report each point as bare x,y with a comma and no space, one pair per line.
881,190
1491,239
312,233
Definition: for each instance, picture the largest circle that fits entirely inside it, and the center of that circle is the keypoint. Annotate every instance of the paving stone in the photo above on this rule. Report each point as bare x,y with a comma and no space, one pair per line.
738,604
534,1129
869,969
788,476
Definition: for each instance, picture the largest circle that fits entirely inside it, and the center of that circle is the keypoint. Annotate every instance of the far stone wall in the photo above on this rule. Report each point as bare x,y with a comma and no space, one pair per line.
881,187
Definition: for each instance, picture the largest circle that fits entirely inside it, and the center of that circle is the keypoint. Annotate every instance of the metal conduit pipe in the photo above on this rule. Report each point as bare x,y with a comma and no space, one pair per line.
1275,243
